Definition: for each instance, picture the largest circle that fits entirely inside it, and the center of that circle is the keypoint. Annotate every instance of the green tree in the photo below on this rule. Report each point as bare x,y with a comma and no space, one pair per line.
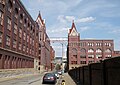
58,67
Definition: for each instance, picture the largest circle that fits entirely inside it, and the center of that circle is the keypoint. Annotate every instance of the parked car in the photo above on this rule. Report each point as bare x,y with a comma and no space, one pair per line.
60,72
56,74
49,78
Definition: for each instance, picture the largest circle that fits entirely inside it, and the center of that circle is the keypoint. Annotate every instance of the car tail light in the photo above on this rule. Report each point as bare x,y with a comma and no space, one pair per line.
52,78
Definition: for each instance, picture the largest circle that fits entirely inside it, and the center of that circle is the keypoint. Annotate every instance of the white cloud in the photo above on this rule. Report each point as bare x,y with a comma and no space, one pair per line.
69,18
61,18
64,19
115,31
87,19
84,29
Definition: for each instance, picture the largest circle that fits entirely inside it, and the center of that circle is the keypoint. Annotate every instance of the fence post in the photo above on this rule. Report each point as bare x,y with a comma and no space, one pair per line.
90,74
104,73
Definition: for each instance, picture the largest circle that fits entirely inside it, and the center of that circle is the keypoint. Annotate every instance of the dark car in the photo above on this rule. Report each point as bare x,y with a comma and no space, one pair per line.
49,78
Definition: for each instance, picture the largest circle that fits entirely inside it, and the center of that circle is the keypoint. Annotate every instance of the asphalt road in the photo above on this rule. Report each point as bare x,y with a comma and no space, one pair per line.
31,80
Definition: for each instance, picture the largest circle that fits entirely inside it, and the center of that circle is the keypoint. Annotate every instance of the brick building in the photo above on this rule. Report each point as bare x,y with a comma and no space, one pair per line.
52,56
83,52
24,43
44,45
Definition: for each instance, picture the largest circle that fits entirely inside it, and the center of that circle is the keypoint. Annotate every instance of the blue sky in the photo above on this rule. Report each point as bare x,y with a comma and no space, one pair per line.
94,19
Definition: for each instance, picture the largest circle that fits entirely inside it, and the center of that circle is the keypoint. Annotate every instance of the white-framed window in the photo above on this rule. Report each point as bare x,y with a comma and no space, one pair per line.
1,17
8,40
98,56
108,51
15,28
90,56
98,50
99,44
108,56
90,50
108,44
14,43
91,44
8,23
1,34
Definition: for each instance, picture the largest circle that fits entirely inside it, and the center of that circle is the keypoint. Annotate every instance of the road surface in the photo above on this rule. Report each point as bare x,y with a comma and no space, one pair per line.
31,80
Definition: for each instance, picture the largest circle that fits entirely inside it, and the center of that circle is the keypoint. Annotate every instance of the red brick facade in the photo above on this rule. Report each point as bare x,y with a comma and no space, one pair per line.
82,52
24,43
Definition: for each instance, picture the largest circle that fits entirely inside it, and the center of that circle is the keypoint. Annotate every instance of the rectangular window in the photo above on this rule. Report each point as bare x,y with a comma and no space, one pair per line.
8,40
90,62
24,36
27,49
24,48
15,28
30,40
30,51
33,42
20,46
1,37
1,17
10,9
20,32
14,43
27,38
90,56
83,62
82,56
9,24
16,15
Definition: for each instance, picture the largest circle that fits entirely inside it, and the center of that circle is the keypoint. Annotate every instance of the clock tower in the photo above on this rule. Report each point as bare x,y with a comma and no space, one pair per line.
73,47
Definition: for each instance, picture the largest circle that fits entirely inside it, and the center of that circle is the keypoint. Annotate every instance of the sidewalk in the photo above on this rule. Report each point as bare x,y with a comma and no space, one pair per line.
68,79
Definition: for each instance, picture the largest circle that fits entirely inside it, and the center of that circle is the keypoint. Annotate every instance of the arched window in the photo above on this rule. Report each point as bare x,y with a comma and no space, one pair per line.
90,50
21,18
108,51
16,13
74,52
83,53
98,50
9,6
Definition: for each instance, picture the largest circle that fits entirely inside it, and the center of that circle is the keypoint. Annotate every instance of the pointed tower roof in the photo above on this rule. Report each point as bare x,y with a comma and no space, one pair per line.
73,30
39,16
73,26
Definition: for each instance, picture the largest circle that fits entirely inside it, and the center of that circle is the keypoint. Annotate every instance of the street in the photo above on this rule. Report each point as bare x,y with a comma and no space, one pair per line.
31,80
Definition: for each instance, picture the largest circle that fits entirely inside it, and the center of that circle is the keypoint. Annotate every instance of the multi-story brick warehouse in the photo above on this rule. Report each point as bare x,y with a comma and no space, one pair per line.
19,37
82,52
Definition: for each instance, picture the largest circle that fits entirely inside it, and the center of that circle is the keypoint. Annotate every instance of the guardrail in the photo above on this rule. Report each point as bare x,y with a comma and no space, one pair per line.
106,72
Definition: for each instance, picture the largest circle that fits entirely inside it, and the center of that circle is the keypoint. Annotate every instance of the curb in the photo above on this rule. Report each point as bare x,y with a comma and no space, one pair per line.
16,77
